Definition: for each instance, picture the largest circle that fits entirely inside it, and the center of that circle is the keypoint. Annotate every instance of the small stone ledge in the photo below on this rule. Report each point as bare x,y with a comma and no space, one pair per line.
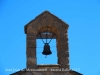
48,66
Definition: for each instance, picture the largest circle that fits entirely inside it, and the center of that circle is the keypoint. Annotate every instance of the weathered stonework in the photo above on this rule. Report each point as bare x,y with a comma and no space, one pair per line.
42,23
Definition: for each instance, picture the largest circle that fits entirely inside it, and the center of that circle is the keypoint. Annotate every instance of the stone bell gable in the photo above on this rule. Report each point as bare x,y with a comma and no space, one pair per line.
49,22
42,23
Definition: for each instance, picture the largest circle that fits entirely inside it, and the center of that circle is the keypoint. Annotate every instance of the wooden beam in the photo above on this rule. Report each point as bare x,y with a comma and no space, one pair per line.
49,36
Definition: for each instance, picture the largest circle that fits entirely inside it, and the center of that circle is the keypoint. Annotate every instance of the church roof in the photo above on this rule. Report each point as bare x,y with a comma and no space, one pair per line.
24,71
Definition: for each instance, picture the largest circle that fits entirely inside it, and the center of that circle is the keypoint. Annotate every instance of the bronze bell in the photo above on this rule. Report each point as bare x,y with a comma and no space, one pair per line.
46,50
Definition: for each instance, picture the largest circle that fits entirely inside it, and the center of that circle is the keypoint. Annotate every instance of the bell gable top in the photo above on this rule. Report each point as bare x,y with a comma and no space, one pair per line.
48,19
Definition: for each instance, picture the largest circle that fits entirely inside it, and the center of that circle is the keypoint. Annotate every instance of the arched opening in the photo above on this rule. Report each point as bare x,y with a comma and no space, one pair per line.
40,41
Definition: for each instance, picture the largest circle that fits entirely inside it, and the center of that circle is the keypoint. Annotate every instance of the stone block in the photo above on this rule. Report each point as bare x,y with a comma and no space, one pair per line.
31,36
31,43
31,52
31,62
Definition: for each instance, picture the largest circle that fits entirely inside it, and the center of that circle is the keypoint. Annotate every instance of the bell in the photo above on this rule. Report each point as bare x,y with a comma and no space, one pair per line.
46,50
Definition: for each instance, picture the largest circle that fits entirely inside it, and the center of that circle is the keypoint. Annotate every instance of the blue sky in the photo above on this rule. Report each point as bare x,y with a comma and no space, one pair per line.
83,17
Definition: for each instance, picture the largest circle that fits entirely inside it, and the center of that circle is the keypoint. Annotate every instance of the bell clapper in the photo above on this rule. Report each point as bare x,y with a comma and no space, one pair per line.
46,56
